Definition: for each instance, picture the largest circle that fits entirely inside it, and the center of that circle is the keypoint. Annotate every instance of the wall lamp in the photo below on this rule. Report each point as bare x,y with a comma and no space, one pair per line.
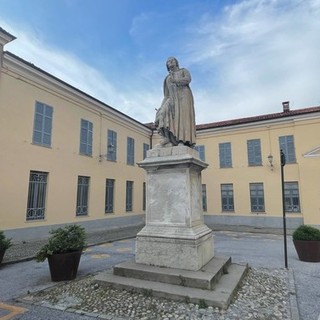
270,159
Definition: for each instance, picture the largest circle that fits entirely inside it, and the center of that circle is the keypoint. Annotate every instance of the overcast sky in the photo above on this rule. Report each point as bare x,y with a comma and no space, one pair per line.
245,57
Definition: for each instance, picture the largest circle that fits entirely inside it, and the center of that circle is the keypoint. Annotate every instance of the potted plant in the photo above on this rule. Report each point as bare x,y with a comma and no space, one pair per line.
5,243
306,240
63,250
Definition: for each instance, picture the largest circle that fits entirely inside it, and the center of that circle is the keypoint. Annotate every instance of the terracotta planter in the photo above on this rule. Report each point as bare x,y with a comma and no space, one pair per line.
64,266
2,252
308,251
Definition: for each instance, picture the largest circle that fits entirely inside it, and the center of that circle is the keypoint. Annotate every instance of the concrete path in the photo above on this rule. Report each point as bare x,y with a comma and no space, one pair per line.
259,250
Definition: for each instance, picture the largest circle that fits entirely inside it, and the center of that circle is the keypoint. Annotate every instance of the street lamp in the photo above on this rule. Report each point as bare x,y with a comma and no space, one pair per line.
283,163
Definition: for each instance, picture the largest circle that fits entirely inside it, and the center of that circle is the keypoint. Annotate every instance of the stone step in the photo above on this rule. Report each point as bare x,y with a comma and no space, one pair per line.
205,278
220,297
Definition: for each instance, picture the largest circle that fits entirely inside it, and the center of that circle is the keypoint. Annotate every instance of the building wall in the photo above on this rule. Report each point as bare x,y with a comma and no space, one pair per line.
305,171
19,90
21,85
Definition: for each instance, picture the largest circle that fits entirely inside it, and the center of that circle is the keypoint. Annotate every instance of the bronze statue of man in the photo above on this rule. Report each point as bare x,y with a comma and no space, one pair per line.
175,119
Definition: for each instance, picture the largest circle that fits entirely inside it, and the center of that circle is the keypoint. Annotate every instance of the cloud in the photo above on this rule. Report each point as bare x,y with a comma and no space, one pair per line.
244,61
257,55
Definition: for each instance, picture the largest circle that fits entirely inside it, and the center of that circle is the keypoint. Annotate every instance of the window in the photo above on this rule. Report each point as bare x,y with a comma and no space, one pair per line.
129,194
36,205
112,146
144,200
86,137
130,151
201,151
109,195
292,199
204,197
82,196
227,197
257,197
146,147
286,143
225,156
42,125
254,152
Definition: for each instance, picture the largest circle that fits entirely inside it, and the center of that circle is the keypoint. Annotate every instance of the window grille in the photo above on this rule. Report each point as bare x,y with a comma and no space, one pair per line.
227,200
82,196
129,195
257,197
37,195
109,195
292,199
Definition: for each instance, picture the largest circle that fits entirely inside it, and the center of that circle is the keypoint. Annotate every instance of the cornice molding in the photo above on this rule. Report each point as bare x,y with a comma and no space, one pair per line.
314,153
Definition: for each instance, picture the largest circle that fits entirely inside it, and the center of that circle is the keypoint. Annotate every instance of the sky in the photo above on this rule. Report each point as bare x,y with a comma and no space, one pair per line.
245,56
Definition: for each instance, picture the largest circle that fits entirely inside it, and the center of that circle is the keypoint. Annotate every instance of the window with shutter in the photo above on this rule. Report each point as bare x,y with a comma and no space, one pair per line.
254,152
42,127
286,144
86,135
225,156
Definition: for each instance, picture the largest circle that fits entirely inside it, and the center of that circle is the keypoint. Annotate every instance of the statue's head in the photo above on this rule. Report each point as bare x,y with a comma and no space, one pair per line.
171,60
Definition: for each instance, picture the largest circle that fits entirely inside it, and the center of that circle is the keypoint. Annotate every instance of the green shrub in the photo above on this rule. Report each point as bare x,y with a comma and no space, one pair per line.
306,233
202,304
5,243
62,240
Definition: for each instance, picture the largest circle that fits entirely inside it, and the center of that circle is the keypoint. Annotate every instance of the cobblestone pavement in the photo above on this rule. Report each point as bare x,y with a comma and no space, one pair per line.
263,295
268,292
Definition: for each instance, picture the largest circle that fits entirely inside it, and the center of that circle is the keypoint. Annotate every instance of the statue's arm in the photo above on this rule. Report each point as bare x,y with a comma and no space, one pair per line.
183,79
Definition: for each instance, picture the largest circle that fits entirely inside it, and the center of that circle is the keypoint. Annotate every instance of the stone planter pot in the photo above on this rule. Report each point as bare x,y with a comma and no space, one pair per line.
64,266
308,251
2,252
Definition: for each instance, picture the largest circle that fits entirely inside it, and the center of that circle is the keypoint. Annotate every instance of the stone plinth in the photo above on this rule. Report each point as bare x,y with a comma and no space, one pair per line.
175,235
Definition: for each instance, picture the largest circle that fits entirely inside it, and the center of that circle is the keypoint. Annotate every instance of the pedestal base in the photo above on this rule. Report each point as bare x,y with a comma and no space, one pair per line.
188,249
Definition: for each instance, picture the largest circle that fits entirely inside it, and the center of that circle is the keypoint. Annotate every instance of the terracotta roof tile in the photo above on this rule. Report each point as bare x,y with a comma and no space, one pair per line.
264,117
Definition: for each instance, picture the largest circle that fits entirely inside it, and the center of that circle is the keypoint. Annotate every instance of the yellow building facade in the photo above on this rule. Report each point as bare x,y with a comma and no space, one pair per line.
67,157
243,181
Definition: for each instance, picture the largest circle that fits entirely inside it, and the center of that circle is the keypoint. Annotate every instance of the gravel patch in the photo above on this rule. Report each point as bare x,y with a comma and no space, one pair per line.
263,295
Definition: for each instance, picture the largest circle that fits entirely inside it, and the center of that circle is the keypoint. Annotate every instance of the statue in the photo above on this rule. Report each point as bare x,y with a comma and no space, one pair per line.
175,119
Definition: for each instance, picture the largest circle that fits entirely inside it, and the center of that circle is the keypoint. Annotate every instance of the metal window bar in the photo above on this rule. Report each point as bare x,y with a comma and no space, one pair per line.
129,191
37,195
82,196
292,199
227,197
109,196
257,197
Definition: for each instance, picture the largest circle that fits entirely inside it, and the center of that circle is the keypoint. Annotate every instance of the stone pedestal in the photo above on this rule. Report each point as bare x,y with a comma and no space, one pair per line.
175,235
